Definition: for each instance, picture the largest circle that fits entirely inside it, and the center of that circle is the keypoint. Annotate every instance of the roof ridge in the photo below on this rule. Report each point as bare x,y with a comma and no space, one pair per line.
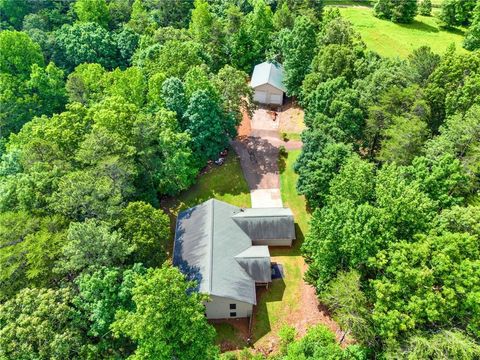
212,225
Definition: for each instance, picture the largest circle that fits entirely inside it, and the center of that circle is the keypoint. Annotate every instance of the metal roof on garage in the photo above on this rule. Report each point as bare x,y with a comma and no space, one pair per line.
268,73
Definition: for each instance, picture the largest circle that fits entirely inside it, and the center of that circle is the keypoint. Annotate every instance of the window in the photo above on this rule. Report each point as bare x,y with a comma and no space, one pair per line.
233,306
233,314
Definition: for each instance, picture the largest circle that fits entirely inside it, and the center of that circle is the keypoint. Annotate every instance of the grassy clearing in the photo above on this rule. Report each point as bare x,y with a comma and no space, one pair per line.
225,183
390,39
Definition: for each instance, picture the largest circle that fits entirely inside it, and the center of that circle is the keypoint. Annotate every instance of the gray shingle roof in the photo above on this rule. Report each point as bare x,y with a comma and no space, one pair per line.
266,223
268,73
213,249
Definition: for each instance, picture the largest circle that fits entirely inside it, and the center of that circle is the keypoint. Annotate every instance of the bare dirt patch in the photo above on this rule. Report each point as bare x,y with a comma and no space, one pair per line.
291,119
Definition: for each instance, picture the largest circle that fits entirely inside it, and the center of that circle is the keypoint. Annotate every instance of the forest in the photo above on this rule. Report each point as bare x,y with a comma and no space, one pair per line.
109,106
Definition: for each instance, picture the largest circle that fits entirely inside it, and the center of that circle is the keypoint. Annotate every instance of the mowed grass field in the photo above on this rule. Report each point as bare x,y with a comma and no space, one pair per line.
390,39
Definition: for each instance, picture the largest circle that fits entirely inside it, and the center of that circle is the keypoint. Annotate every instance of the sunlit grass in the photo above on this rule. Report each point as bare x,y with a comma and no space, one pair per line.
390,39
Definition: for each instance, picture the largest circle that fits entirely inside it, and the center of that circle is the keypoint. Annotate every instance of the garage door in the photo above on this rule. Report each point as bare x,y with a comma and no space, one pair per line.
260,96
276,99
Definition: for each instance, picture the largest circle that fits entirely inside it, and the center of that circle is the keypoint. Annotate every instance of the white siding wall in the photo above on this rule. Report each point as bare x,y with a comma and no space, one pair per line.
219,308
268,94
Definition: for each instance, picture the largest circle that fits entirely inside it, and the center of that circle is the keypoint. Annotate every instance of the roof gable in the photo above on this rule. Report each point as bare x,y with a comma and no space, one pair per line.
268,73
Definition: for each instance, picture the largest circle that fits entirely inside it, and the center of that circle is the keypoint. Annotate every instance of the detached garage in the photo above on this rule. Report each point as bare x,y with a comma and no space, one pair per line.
267,81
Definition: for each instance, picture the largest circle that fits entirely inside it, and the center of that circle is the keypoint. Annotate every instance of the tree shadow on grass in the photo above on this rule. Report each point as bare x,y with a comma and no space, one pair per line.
419,25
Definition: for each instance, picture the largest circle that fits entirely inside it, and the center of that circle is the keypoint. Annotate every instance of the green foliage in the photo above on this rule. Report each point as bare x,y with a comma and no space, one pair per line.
13,12
318,164
148,230
90,43
39,324
100,295
424,61
29,246
287,336
446,91
401,11
472,36
95,11
425,7
209,128
19,53
320,343
92,243
298,53
403,141
345,298
457,12
234,91
425,283
450,344
168,319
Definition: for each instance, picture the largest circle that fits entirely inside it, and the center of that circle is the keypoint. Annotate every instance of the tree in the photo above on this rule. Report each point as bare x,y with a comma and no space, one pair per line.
29,247
140,22
13,12
427,284
148,230
298,54
98,192
19,53
424,61
425,7
320,343
457,12
459,137
317,165
453,344
345,298
235,93
40,324
85,43
92,244
85,85
100,295
48,89
95,11
168,320
472,36
404,139
208,127
173,96
187,54
401,11
258,26
448,80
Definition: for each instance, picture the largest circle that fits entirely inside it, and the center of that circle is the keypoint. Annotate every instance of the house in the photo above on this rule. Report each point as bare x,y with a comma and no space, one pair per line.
267,81
225,249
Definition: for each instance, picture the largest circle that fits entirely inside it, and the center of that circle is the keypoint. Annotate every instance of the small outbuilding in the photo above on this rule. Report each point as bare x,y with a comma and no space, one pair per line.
267,82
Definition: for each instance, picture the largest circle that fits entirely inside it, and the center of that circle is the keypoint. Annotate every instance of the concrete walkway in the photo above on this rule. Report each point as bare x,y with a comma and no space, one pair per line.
258,154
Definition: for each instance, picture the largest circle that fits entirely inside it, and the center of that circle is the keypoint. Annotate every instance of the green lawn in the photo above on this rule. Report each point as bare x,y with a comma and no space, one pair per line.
225,183
390,39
